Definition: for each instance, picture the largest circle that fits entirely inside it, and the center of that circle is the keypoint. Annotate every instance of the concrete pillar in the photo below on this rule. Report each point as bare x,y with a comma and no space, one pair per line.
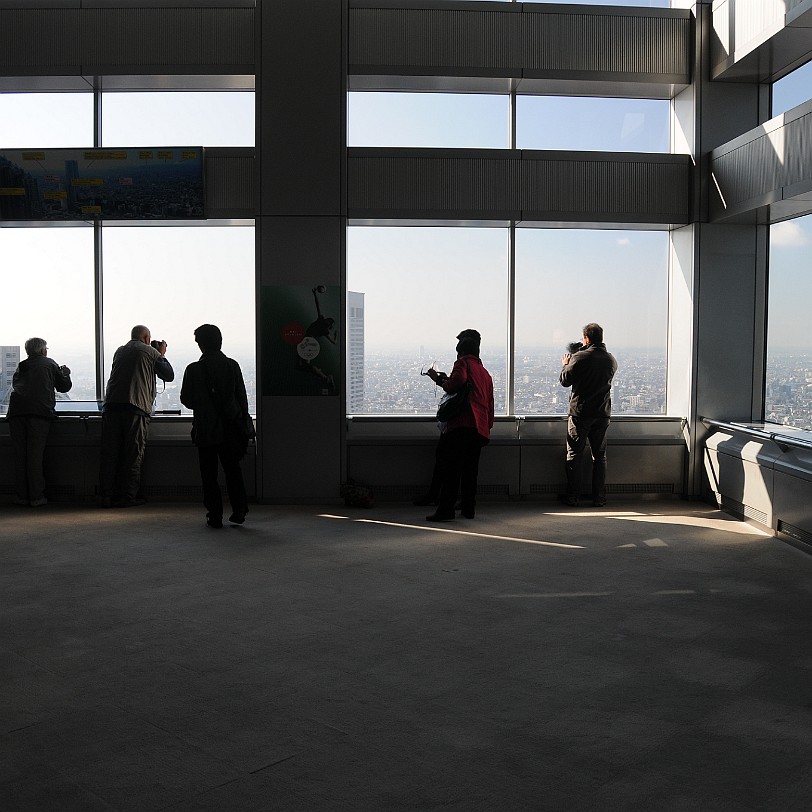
718,271
301,149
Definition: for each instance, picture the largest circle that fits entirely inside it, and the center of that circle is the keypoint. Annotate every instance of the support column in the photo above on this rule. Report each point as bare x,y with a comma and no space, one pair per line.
718,271
301,151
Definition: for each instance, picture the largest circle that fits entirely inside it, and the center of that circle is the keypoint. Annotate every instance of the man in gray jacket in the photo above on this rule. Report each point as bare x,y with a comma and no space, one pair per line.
128,404
31,410
589,372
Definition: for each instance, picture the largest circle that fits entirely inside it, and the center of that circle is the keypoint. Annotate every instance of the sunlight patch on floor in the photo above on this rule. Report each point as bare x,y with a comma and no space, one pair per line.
727,525
455,532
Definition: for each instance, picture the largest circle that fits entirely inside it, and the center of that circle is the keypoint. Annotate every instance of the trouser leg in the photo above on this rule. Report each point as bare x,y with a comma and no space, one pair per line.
451,464
37,436
111,440
212,498
437,473
597,442
576,442
132,454
471,450
18,429
230,457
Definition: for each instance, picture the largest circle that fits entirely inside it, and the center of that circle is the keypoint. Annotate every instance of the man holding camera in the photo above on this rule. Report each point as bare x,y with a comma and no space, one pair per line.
589,371
128,404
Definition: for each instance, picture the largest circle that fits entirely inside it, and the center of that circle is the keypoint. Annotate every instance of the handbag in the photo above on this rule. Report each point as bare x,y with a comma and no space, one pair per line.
452,403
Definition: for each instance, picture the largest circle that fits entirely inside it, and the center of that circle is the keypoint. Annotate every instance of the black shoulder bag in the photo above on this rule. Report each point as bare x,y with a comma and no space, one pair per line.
452,403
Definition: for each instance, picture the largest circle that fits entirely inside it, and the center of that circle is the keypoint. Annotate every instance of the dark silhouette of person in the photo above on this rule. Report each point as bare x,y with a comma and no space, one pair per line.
214,389
432,495
467,433
589,372
129,401
31,410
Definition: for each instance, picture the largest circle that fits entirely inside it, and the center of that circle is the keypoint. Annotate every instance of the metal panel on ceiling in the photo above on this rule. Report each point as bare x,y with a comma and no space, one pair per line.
767,166
201,38
498,185
521,40
760,41
38,39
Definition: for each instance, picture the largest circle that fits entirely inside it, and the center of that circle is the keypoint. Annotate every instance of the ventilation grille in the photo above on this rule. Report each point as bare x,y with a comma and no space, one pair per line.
794,532
630,488
741,511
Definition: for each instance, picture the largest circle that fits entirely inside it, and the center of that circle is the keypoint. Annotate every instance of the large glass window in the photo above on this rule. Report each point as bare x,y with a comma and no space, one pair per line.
47,285
173,280
209,119
792,90
50,120
566,278
789,356
448,120
611,125
421,287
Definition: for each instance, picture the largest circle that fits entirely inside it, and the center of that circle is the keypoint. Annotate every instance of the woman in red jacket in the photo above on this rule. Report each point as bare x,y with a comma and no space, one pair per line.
466,433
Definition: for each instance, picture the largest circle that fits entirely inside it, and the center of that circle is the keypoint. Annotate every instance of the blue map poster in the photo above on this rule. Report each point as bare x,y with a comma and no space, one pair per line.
142,183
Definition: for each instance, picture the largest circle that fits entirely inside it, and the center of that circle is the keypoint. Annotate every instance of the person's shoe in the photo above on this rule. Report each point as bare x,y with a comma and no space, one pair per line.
237,518
440,517
39,502
426,500
568,500
598,502
127,503
20,501
214,521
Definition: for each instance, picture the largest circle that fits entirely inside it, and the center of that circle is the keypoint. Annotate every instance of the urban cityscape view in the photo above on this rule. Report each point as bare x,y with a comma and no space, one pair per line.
84,380
391,383
789,388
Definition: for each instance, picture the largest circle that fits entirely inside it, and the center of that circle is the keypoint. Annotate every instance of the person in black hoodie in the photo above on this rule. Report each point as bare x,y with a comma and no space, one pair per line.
214,389
31,410
589,372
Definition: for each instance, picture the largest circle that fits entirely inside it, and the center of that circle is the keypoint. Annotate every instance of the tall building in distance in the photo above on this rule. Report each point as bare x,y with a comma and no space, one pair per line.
9,359
355,352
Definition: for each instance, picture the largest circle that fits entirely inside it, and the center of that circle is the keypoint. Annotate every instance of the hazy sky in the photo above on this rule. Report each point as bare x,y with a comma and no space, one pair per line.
424,285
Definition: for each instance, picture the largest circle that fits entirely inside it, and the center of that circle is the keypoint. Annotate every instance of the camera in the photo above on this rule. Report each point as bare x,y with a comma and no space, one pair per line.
156,344
573,347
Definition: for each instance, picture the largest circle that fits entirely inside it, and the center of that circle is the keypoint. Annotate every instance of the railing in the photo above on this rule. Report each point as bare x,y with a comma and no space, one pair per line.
782,440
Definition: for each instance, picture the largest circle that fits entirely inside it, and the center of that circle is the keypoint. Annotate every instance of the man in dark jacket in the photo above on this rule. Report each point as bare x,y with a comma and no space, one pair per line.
589,372
214,389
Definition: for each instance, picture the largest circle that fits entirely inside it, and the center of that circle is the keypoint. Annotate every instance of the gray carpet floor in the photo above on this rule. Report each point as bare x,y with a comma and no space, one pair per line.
649,656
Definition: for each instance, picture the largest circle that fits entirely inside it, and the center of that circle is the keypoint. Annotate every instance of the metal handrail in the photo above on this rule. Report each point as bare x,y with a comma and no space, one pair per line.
781,440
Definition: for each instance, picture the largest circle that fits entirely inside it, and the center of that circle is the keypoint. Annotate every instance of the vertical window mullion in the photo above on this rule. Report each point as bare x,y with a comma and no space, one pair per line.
98,289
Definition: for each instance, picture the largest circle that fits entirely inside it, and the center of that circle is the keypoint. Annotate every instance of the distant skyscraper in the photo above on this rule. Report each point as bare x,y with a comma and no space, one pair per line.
355,352
9,358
